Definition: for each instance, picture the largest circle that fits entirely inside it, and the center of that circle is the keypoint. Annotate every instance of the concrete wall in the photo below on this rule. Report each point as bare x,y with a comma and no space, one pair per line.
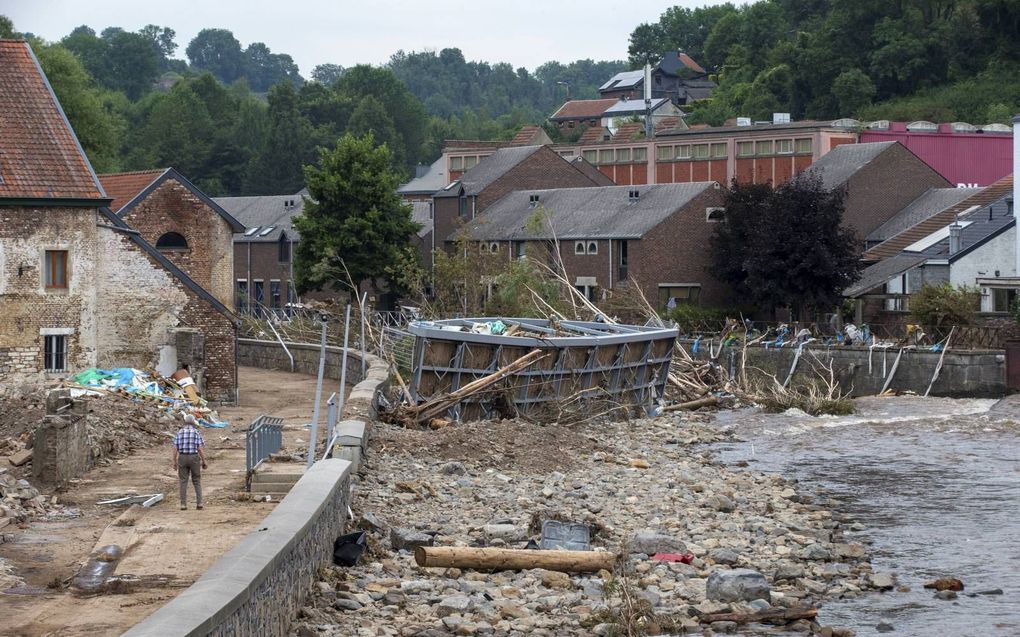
259,585
971,373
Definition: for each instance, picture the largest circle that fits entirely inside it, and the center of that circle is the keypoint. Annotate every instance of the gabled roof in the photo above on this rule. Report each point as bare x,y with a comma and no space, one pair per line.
623,80
121,226
880,273
488,170
421,214
633,107
530,135
40,157
582,109
630,131
932,202
265,217
590,171
593,135
837,166
130,189
584,213
434,179
895,244
672,63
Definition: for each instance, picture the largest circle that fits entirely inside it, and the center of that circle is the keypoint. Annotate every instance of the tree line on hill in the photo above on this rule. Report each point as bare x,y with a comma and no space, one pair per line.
242,120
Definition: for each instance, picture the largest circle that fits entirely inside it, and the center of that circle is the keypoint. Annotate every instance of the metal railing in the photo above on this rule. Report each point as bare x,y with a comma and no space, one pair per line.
264,437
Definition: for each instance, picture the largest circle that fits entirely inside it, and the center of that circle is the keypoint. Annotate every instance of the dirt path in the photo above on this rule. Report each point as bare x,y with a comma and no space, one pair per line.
166,549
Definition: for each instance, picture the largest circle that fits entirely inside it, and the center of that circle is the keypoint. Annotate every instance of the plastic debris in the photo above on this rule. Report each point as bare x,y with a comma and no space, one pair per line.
347,549
565,536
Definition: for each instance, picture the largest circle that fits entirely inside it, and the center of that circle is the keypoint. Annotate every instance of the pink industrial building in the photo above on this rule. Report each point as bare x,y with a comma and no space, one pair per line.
964,154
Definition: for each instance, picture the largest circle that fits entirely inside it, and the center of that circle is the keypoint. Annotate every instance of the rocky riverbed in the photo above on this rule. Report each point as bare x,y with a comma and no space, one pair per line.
642,487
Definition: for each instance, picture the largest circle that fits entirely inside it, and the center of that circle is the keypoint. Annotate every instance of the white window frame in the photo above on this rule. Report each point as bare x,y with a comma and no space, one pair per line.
592,247
580,247
710,210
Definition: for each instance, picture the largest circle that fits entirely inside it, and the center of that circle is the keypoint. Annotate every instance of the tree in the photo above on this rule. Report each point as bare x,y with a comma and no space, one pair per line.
786,247
853,90
945,305
370,117
278,169
354,223
162,39
6,27
132,64
219,52
327,73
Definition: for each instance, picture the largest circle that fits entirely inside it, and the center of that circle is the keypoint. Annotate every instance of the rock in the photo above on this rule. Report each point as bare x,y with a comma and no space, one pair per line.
346,604
402,539
455,604
814,552
415,586
505,532
946,595
724,556
555,579
741,584
452,469
853,551
760,604
881,581
720,503
789,571
651,542
883,627
945,584
394,598
724,627
372,522
604,630
993,591
843,632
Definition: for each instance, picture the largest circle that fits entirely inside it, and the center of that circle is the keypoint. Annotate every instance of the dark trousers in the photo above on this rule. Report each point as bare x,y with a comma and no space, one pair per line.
190,465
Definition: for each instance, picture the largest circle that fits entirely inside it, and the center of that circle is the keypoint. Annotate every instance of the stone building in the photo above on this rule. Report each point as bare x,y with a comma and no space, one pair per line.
78,286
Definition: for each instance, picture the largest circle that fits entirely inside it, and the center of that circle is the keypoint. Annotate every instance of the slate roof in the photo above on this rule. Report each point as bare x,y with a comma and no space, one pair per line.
421,213
932,202
841,163
489,170
895,244
434,179
633,107
264,212
582,109
624,79
40,157
585,213
880,273
132,188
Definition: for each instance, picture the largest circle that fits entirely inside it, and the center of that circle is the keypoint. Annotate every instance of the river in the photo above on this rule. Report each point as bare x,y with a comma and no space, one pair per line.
935,482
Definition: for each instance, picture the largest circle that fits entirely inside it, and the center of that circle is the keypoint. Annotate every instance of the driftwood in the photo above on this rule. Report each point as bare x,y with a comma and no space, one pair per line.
496,559
769,615
708,401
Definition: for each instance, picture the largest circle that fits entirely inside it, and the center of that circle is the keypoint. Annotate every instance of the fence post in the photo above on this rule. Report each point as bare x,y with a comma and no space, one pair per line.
343,364
364,366
318,394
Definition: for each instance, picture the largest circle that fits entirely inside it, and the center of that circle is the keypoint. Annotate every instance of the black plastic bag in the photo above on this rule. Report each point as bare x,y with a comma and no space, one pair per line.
347,549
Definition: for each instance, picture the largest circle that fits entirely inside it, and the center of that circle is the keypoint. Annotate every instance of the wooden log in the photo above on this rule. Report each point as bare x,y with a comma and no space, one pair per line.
693,404
495,559
769,615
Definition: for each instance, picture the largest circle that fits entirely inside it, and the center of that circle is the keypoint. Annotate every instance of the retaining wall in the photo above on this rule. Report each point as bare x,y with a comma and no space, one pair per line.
965,373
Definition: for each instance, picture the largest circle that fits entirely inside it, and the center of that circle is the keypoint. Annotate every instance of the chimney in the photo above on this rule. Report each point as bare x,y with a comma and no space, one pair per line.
420,170
955,237
1016,189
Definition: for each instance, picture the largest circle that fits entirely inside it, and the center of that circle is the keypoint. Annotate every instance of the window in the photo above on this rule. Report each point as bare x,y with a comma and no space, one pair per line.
1003,299
265,231
55,353
701,151
683,152
462,208
242,296
579,247
259,299
589,291
784,146
274,294
470,162
172,241
250,231
679,293
719,151
665,153
622,263
606,156
763,148
593,247
532,201
456,163
623,155
284,249
56,269
641,154
493,247
803,145
715,214
745,149
590,156
519,251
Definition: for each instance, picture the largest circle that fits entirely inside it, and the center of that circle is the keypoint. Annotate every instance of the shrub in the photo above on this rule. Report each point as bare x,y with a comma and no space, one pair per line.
945,305
693,318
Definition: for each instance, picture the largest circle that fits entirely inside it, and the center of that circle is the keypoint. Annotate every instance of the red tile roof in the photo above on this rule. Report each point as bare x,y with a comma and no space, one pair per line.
593,135
525,136
630,130
39,154
582,109
123,187
689,62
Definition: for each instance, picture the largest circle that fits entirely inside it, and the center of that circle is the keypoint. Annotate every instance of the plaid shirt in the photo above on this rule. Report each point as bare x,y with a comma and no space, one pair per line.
188,440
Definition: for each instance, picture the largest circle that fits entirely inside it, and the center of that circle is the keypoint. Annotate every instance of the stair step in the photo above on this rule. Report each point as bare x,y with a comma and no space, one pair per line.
276,478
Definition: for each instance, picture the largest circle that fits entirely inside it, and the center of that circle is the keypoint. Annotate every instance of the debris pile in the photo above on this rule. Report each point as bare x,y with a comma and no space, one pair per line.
19,500
175,394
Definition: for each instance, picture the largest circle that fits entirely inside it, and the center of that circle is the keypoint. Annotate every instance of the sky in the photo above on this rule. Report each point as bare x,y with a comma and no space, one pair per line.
522,32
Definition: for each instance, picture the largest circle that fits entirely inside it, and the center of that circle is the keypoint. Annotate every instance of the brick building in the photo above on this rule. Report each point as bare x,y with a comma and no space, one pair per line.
506,170
78,286
676,77
191,230
656,237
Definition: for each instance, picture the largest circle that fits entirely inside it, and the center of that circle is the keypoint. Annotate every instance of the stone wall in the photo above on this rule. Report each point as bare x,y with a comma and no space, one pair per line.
965,373
60,449
259,585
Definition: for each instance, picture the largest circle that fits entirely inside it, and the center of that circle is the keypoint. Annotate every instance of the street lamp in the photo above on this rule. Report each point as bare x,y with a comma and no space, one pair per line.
567,84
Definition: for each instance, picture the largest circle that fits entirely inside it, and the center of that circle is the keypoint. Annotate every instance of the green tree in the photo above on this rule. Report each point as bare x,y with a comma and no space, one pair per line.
945,305
132,64
178,131
853,90
327,73
354,225
786,247
7,27
370,118
278,168
91,50
162,39
219,52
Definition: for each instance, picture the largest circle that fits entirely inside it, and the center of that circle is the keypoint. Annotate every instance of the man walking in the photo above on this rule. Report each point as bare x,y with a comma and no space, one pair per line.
188,459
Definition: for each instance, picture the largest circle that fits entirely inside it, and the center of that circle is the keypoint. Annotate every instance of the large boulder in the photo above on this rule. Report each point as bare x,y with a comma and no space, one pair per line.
652,542
737,585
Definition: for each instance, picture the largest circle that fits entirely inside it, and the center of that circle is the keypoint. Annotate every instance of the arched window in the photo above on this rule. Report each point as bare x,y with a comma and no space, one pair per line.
172,241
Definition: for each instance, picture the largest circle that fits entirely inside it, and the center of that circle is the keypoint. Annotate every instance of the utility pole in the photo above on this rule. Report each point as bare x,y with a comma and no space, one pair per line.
649,129
566,84
318,392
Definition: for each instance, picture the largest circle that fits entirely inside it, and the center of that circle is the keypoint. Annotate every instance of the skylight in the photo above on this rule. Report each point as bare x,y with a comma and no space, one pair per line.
250,231
933,238
267,230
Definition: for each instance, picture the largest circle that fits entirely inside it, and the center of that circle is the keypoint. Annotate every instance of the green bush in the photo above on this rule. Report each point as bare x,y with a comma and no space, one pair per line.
945,305
693,318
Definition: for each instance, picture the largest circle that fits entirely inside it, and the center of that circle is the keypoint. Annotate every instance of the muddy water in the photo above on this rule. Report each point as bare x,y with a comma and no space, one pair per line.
936,482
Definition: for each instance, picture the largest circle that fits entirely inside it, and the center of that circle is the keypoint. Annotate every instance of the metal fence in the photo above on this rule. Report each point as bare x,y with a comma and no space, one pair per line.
264,437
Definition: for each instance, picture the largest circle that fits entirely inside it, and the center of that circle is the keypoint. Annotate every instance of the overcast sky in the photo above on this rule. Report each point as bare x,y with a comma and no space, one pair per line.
522,32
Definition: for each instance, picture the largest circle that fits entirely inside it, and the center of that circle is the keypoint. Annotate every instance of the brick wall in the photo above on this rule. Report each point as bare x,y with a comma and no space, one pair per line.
208,259
885,186
260,260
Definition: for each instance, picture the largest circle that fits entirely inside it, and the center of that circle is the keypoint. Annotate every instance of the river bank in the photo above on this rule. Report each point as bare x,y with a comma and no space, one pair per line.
642,487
